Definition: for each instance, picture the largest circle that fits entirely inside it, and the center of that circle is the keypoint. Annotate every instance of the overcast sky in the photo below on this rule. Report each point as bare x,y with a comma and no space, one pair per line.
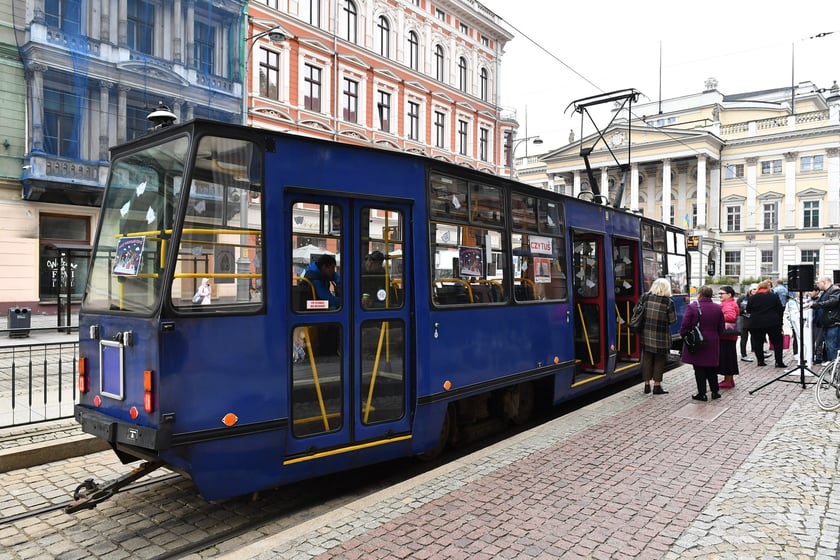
745,44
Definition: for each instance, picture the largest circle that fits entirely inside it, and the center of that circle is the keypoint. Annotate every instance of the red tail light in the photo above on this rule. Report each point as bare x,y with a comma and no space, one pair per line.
83,375
148,391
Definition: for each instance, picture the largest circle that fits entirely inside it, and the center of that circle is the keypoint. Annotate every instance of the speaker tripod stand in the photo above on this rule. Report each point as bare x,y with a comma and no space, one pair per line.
801,368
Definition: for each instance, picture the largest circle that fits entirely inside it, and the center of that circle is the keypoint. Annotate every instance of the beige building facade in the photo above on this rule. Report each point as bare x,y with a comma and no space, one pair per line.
755,176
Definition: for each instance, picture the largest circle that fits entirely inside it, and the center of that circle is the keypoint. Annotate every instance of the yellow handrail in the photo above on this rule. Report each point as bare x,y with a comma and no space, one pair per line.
530,283
586,335
457,281
309,351
382,331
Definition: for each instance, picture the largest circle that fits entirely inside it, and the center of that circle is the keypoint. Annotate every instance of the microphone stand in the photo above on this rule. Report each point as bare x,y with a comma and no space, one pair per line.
801,368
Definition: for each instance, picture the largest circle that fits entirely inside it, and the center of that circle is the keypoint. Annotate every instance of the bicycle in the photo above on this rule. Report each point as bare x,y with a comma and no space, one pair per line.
827,390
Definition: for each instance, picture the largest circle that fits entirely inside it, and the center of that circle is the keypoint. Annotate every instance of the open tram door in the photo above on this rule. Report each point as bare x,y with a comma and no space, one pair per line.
350,373
628,290
593,355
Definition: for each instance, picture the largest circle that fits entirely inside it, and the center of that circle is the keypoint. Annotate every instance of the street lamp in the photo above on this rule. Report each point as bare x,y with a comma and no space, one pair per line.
514,144
276,35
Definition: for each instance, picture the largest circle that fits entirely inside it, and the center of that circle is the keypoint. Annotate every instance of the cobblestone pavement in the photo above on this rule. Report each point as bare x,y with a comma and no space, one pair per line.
632,476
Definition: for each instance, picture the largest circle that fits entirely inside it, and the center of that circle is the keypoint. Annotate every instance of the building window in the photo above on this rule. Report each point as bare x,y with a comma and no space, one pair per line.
413,51
485,91
441,15
772,167
350,15
734,171
767,263
440,129
312,88
485,41
694,216
811,214
733,218
672,218
413,120
384,37
508,145
269,74
136,124
61,133
314,12
140,26
464,28
732,263
54,230
439,73
205,61
811,163
462,74
351,100
770,215
483,142
384,107
270,3
811,256
64,15
462,137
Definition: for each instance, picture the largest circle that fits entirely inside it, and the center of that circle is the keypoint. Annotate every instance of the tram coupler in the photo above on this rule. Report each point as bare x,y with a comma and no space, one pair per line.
90,494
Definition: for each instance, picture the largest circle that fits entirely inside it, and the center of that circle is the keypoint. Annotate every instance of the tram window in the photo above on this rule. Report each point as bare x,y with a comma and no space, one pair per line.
383,379
220,249
539,268
647,236
316,278
659,239
586,262
523,212
551,218
486,204
381,259
317,379
448,198
465,267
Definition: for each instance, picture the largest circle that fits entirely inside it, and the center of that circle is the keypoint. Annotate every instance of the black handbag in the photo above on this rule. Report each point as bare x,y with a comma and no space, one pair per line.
637,318
694,339
735,331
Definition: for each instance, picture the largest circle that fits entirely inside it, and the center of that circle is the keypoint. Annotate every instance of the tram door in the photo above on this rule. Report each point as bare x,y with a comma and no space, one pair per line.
349,327
590,300
627,282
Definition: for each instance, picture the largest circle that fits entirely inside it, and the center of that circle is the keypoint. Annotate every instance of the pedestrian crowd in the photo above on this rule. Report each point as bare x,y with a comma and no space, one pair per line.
711,331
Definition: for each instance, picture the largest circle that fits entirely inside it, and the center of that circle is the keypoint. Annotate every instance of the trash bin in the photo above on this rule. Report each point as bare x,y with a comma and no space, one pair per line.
20,318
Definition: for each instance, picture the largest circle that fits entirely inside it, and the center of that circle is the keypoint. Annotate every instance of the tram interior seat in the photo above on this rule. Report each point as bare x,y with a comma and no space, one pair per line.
523,292
302,292
452,294
486,292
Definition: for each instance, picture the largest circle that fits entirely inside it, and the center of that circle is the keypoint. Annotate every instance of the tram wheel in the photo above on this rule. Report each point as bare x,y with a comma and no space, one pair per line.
443,437
519,403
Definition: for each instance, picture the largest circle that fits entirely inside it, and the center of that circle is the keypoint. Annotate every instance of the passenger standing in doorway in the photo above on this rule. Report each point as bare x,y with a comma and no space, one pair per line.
655,334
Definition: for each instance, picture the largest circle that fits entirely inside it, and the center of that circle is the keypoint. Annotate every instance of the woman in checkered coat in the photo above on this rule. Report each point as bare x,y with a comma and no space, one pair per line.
655,334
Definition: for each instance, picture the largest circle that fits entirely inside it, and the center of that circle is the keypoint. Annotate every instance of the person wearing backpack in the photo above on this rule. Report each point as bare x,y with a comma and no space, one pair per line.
655,334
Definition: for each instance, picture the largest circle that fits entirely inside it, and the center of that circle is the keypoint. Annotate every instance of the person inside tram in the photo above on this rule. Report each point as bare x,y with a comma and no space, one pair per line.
374,280
327,281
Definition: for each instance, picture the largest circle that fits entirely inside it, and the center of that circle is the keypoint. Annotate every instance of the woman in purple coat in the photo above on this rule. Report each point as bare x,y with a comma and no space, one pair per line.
706,359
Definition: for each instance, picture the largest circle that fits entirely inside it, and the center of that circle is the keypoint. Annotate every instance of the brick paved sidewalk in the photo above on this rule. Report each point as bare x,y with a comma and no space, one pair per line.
632,476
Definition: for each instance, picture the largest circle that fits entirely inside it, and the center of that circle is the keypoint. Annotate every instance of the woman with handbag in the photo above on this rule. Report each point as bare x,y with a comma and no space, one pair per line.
766,313
655,334
728,366
707,316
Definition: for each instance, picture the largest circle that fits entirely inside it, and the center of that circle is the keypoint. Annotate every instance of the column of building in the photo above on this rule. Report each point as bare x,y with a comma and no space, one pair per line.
35,75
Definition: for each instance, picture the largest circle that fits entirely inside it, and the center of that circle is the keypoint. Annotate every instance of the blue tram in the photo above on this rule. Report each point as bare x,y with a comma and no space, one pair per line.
263,308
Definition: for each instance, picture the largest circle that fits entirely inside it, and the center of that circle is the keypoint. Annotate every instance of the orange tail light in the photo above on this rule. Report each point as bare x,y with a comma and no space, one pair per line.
83,375
148,391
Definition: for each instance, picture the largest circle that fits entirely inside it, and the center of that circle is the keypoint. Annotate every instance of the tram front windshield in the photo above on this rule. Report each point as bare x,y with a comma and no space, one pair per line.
137,217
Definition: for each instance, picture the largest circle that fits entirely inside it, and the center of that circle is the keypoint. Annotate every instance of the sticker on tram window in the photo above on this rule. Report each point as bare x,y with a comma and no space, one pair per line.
317,304
129,251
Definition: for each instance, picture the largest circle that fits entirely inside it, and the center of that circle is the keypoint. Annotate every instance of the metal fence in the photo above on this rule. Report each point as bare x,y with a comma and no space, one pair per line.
37,382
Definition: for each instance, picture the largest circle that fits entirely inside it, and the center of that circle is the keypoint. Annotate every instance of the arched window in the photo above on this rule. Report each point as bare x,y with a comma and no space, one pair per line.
413,51
484,85
384,37
462,73
439,72
350,16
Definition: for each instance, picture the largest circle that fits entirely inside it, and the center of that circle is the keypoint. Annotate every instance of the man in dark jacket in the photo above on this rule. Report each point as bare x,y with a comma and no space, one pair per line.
829,305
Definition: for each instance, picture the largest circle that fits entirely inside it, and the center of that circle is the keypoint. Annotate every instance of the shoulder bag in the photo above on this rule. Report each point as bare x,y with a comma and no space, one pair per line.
694,339
637,318
733,329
